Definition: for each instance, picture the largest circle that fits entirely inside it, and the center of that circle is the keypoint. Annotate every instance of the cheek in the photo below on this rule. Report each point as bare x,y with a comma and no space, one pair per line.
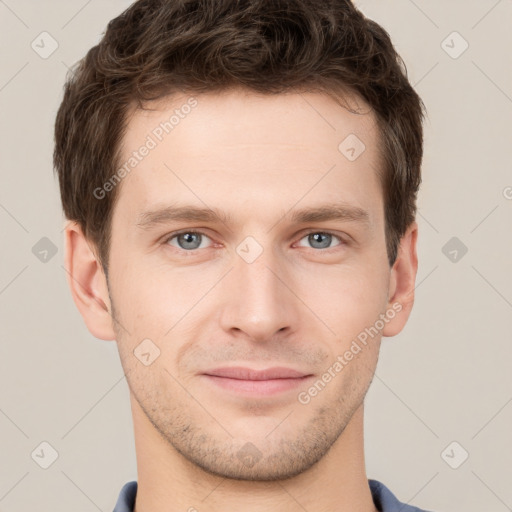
149,303
347,298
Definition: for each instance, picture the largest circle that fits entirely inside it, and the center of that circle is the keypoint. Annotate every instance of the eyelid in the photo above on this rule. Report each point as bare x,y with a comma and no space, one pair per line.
174,234
343,240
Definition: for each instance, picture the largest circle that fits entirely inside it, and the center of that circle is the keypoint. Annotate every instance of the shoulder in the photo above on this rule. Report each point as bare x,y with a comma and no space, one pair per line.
126,499
386,501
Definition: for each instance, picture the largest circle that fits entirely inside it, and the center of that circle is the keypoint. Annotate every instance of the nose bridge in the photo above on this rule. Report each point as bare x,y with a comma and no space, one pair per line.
260,304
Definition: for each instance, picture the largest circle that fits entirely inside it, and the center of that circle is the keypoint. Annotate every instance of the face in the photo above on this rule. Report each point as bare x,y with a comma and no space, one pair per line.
247,255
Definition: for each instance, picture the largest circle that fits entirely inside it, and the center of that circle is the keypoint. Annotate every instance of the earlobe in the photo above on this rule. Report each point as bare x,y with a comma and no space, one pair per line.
402,282
87,283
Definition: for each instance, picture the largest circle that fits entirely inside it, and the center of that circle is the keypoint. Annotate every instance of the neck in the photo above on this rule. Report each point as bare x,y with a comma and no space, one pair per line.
169,482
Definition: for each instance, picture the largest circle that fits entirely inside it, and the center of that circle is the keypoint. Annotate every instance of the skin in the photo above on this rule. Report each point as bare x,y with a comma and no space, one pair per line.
299,304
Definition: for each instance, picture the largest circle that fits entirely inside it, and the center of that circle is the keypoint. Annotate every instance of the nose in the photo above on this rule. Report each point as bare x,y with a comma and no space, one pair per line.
259,301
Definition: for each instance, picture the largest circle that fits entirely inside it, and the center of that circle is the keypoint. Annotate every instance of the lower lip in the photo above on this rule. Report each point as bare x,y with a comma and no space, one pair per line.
257,387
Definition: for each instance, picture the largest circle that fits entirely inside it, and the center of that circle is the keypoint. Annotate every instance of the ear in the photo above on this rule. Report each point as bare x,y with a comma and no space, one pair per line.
402,282
88,283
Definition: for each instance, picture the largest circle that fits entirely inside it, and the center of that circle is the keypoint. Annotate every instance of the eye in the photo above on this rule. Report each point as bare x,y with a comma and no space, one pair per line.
187,240
192,240
321,239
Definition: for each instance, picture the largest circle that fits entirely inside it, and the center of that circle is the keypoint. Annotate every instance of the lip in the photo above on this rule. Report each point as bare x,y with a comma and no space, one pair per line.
253,382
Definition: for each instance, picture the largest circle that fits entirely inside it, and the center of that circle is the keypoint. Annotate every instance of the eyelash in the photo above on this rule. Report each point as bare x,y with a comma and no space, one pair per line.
191,252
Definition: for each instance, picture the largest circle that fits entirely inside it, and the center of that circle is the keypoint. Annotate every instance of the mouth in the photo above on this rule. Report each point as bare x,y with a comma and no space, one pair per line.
251,382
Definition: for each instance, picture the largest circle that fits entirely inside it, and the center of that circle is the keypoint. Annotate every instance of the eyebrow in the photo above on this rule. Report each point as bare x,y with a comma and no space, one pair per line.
334,211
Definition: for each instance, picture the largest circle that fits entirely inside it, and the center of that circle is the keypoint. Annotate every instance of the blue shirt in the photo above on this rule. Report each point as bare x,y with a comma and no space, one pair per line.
384,499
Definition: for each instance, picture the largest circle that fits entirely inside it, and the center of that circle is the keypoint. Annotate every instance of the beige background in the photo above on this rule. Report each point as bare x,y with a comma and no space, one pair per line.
445,378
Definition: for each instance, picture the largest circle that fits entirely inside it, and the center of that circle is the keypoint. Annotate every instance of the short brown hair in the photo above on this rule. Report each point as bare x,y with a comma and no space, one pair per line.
158,47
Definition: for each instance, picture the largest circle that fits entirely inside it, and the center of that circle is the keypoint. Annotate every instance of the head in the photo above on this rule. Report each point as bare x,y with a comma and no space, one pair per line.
267,116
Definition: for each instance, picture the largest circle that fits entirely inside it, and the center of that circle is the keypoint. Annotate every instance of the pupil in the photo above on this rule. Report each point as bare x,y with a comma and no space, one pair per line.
317,237
189,239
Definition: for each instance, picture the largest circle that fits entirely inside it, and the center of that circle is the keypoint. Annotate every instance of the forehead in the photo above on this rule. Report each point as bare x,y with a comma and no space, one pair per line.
266,148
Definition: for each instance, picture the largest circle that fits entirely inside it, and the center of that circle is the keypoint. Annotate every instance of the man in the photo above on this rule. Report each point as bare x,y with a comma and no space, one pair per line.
240,180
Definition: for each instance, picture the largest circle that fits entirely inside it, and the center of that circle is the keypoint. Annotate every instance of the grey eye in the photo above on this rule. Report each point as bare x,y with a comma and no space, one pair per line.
320,240
188,240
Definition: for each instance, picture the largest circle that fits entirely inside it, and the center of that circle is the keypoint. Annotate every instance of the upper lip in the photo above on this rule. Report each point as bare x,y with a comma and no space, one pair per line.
242,373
